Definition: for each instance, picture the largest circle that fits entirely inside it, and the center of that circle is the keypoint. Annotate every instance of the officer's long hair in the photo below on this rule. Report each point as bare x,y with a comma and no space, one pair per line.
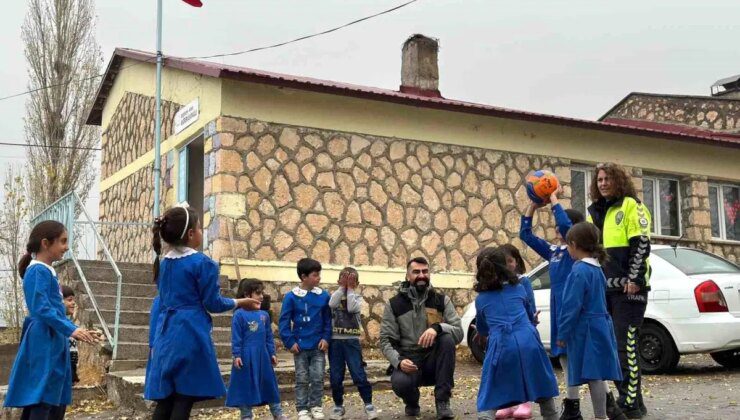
585,236
492,273
621,181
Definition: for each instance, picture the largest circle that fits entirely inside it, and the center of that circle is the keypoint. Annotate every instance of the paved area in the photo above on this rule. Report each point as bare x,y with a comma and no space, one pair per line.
698,389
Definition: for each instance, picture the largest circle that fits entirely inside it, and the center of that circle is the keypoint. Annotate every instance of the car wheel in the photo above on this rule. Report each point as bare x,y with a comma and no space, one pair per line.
478,350
728,358
657,351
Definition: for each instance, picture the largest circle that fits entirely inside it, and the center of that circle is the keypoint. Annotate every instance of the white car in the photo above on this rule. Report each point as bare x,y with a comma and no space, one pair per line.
693,307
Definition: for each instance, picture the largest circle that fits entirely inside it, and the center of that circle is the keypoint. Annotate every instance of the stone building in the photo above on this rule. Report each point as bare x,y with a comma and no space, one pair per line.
285,167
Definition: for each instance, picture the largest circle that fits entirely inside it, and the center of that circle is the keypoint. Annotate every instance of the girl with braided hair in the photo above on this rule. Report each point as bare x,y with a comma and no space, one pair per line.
182,367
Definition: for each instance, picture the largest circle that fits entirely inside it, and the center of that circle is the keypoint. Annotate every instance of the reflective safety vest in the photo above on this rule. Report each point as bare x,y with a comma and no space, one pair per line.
624,220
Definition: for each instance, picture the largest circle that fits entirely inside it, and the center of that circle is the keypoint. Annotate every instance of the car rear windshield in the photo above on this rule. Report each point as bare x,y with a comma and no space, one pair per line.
691,261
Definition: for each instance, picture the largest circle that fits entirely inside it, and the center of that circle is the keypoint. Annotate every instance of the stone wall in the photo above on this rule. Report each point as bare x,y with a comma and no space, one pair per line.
706,112
130,132
347,198
374,300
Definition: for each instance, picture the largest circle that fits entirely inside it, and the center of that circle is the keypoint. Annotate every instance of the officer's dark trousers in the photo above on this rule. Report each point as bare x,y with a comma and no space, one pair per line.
628,312
437,369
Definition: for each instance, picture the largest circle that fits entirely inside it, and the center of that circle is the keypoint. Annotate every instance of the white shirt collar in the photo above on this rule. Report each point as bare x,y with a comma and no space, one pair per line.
35,262
180,252
301,292
591,261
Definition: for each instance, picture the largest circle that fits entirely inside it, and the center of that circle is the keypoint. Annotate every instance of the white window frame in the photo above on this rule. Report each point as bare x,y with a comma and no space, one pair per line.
656,200
721,210
588,175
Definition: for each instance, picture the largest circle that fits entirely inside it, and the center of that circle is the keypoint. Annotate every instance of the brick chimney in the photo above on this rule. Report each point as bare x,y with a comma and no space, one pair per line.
419,69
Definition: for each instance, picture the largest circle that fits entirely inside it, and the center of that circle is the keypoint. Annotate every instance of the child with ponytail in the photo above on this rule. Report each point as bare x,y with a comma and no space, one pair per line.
585,328
516,368
182,367
41,379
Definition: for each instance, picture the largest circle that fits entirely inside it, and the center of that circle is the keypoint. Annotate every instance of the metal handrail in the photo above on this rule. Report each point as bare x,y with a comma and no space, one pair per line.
63,210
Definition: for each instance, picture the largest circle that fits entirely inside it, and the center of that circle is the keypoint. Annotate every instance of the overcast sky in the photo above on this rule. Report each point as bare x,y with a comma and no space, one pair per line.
567,57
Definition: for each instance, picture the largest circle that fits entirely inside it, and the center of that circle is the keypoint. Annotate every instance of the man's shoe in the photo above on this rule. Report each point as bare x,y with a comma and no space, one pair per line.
412,410
371,412
304,415
337,413
630,412
571,410
444,411
317,413
613,412
643,409
523,411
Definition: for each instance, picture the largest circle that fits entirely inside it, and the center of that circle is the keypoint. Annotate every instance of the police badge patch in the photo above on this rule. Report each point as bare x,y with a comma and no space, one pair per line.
619,216
643,222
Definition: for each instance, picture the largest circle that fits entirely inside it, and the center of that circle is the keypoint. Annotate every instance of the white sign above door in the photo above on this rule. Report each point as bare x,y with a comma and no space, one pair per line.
186,116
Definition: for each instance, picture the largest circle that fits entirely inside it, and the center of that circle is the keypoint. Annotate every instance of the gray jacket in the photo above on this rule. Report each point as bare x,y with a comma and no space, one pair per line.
407,316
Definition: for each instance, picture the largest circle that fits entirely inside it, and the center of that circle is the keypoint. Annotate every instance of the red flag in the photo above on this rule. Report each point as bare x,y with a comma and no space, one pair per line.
194,3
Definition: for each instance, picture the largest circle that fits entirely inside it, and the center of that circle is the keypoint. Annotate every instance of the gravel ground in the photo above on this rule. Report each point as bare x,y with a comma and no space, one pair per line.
698,389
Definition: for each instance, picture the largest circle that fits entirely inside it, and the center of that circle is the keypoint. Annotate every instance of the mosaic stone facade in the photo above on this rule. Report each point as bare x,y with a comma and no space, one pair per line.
345,198
706,112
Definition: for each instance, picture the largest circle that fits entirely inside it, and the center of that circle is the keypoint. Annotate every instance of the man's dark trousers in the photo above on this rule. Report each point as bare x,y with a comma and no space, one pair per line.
437,368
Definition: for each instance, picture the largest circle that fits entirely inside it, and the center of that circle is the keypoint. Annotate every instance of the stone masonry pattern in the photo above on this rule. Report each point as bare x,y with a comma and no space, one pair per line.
130,132
346,198
705,112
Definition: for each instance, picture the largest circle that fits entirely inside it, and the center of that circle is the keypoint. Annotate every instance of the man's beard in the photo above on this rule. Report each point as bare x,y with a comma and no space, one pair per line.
421,285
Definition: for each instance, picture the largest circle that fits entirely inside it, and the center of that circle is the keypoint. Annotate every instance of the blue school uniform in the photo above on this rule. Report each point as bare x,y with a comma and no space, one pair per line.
153,318
42,372
560,265
516,368
586,327
251,339
305,318
531,304
183,357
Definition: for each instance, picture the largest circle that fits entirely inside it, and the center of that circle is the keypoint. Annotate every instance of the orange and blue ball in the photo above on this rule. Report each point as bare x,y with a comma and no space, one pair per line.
540,184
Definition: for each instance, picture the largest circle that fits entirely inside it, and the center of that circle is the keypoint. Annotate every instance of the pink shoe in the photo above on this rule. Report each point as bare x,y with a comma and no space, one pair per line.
505,413
524,411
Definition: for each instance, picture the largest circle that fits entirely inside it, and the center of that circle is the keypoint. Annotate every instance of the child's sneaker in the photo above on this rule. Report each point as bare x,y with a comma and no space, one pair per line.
524,411
371,412
337,413
304,415
505,413
317,413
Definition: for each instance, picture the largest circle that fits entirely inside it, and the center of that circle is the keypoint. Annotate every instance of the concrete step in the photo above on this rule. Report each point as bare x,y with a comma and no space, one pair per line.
108,303
126,387
128,275
142,317
140,350
130,290
140,334
134,364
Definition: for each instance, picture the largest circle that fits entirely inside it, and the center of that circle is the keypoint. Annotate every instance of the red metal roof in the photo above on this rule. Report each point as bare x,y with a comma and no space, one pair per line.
378,94
676,128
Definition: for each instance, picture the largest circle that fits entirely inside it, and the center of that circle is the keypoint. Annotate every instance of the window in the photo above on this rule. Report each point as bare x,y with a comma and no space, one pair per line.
724,203
541,277
580,184
692,262
662,199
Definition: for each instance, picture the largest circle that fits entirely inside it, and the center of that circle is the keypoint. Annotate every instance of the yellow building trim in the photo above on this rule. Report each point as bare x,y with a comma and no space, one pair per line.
279,271
177,86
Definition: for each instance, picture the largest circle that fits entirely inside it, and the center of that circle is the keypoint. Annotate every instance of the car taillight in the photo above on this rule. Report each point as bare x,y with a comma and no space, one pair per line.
709,298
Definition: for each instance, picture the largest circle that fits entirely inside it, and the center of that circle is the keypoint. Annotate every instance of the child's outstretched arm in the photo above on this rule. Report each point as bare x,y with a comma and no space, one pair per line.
573,300
209,289
43,288
562,221
539,245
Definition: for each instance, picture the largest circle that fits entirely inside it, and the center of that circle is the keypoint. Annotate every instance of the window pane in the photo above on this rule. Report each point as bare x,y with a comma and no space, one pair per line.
714,211
731,196
578,191
541,279
648,192
668,207
692,261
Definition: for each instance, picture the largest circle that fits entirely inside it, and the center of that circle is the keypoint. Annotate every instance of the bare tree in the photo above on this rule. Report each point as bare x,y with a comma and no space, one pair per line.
14,228
63,60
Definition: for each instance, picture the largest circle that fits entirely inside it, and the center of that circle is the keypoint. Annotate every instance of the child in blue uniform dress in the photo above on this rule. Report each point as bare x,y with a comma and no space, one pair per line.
515,263
253,382
560,264
41,378
305,329
183,367
516,368
585,327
